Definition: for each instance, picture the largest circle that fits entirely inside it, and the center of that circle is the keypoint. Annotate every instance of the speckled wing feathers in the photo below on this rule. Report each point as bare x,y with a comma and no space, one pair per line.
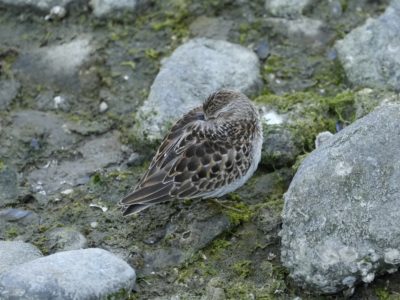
195,160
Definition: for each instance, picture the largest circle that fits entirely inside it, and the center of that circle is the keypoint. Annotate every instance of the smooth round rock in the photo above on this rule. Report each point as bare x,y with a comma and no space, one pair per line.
341,219
195,70
79,274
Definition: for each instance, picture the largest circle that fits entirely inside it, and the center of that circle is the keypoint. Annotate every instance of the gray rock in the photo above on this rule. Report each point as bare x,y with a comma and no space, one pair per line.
42,5
322,138
78,274
367,99
114,8
8,90
286,8
56,64
213,28
8,185
280,146
305,32
16,253
65,239
193,71
18,216
341,222
262,50
95,154
369,53
214,290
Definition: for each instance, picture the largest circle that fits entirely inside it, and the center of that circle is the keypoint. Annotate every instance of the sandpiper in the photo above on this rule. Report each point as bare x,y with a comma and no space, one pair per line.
209,152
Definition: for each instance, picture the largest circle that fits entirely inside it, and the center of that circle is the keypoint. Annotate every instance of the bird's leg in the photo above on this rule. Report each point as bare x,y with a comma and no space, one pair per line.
221,203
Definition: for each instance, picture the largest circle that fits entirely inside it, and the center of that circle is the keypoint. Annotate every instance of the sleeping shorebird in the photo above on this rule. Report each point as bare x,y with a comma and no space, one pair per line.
209,152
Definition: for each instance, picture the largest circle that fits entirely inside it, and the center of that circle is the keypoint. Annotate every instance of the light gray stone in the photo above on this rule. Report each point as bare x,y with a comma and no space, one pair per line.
341,218
18,216
322,138
16,253
370,53
194,70
42,5
286,8
8,91
64,239
56,64
79,274
114,8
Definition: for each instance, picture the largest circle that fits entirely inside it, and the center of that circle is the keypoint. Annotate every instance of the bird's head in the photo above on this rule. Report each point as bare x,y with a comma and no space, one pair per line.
227,104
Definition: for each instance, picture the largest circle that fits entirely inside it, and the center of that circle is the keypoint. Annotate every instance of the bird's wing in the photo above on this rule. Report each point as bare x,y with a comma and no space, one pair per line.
193,161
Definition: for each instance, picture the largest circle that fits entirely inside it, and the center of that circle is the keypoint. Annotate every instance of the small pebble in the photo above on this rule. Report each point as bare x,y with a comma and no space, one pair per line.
58,101
94,224
35,144
134,159
56,13
67,191
14,214
103,107
331,54
103,208
322,138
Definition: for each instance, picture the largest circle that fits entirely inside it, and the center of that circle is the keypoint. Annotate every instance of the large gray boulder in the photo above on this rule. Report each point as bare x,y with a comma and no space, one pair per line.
16,253
341,219
370,53
194,70
79,274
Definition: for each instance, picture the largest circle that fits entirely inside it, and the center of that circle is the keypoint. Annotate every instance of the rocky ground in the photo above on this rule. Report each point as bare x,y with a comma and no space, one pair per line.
88,89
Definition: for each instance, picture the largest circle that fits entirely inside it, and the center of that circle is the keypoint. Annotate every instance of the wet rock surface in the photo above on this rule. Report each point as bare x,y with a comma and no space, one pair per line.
75,88
340,222
79,274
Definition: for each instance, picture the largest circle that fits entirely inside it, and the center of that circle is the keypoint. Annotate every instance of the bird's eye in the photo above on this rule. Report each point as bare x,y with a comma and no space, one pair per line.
200,116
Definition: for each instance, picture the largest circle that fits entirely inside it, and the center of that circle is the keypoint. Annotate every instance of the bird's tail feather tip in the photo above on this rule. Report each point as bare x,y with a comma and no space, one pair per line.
133,209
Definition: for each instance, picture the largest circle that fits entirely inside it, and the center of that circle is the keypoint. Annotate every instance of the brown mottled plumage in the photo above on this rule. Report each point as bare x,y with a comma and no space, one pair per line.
212,150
